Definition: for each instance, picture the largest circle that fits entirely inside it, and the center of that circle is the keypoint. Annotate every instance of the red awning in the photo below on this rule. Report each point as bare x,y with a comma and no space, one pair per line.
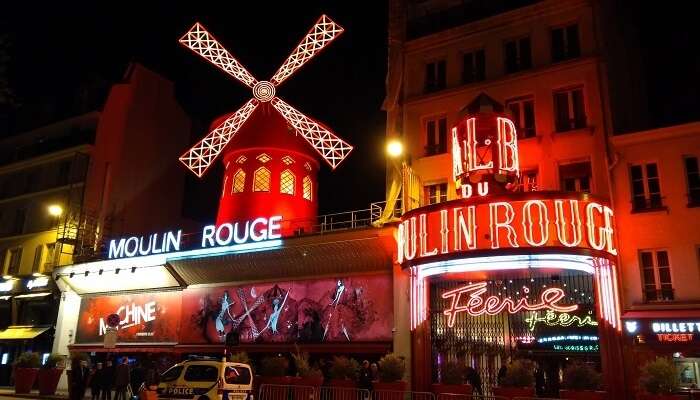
661,314
99,348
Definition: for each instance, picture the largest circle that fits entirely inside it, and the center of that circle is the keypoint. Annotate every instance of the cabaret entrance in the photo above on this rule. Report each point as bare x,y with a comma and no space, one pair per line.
500,273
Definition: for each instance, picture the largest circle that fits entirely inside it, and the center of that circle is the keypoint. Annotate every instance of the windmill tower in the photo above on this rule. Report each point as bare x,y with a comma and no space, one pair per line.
268,169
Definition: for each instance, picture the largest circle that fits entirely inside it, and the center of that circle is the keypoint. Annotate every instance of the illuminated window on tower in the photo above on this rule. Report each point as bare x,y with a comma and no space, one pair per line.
307,188
261,181
238,181
287,182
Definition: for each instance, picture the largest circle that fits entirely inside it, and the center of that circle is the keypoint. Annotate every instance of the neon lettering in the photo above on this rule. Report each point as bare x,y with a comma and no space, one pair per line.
496,224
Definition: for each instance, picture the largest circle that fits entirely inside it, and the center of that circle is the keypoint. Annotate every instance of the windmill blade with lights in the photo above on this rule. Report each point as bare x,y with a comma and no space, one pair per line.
329,146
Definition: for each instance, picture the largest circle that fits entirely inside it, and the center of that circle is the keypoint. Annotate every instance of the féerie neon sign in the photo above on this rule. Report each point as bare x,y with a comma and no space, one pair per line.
476,304
551,318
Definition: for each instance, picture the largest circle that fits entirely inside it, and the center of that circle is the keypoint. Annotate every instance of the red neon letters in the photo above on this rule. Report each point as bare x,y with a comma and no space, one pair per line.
476,304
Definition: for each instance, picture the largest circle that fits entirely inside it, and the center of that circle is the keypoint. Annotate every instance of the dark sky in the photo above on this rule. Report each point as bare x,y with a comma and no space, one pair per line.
57,48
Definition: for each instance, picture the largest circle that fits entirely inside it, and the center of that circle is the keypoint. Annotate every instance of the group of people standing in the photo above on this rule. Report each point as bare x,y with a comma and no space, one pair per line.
104,378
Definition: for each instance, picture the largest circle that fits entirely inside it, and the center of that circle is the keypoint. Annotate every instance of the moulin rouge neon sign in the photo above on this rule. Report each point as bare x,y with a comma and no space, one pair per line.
477,304
465,225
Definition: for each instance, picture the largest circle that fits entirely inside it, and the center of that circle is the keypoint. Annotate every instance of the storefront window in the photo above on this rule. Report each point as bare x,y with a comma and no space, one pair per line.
688,370
36,312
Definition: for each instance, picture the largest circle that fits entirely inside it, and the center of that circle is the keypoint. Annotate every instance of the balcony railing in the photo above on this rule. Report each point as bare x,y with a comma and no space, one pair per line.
654,295
651,203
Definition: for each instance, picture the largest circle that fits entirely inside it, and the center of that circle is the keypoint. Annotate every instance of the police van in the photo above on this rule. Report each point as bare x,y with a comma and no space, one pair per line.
207,379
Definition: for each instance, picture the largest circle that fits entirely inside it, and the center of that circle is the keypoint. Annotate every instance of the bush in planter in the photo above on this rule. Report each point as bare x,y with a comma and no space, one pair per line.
391,368
304,368
273,366
659,377
50,373
579,376
26,369
344,368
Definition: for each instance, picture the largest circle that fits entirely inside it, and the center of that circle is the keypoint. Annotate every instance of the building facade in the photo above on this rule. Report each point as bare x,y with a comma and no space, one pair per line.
66,185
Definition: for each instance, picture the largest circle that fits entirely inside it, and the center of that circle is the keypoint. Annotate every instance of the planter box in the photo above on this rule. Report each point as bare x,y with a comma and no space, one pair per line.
511,392
315,381
275,380
649,396
399,386
441,388
48,380
583,394
24,379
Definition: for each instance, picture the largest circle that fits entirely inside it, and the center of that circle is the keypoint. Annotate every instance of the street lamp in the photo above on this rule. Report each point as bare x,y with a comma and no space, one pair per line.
394,148
55,210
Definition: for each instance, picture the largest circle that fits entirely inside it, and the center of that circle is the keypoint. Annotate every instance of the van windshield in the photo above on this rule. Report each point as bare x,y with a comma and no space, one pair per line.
171,374
201,373
237,376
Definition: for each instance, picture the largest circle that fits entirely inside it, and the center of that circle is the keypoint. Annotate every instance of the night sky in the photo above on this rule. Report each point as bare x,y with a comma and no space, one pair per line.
57,49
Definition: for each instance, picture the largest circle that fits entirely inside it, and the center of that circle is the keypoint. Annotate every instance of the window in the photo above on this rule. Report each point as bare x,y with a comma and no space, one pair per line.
238,182
31,182
287,181
241,159
20,217
15,260
436,133
261,180
307,188
436,193
237,376
656,275
63,173
287,160
38,253
565,43
522,110
50,251
528,181
201,373
692,175
575,177
646,189
569,109
263,158
171,374
435,76
518,55
473,67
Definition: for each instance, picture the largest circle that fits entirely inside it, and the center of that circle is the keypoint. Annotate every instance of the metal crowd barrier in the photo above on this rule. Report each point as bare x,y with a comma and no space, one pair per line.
401,395
287,392
342,393
454,396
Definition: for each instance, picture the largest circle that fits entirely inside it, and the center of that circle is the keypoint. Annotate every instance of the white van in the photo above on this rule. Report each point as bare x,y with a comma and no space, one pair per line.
207,379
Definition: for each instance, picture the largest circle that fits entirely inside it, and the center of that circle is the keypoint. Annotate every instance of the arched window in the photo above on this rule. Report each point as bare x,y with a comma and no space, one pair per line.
223,191
261,181
287,182
238,181
307,188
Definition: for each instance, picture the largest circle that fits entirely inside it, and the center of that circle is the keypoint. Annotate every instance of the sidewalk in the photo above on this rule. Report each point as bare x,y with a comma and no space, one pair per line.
9,391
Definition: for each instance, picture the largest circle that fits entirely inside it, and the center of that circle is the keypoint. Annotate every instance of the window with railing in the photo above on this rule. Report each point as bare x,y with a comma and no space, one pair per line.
692,175
436,193
528,180
646,188
565,43
38,258
522,111
436,136
569,109
518,55
575,177
473,66
308,187
435,76
656,275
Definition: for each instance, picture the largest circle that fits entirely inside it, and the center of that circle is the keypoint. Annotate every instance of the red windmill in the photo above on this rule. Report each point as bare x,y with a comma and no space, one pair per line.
268,170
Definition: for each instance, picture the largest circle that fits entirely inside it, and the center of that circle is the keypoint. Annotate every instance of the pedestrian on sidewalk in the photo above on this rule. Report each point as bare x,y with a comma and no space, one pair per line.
107,380
121,379
97,381
79,377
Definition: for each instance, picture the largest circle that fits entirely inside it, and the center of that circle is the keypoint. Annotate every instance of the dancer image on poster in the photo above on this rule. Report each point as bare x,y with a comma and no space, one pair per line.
277,308
340,288
221,319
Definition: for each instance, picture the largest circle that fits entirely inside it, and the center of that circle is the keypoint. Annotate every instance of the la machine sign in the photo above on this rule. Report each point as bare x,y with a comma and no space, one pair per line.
230,233
520,220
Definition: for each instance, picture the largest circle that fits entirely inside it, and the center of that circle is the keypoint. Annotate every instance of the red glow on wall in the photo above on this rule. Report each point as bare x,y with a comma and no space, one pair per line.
476,304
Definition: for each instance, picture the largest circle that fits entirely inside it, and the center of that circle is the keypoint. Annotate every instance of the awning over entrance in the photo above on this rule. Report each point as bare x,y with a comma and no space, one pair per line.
22,332
320,255
662,314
